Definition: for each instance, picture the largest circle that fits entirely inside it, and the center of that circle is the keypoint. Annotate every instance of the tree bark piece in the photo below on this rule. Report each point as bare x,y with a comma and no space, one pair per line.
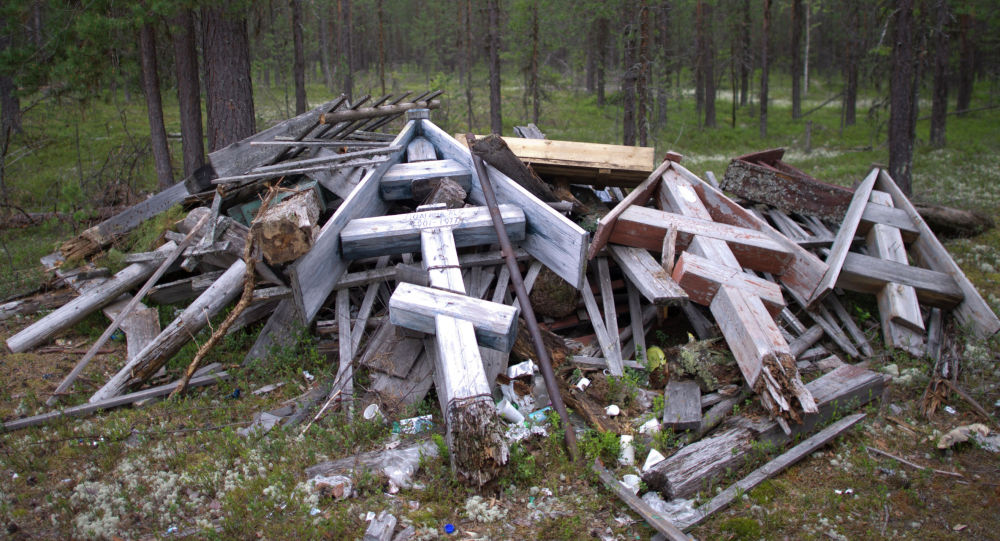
786,188
287,230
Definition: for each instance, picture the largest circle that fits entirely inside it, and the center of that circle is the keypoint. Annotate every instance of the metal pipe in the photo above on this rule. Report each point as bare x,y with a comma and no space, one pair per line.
529,314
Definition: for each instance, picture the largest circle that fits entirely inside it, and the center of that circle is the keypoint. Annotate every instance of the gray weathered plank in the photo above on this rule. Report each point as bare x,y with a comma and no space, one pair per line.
682,405
414,307
647,275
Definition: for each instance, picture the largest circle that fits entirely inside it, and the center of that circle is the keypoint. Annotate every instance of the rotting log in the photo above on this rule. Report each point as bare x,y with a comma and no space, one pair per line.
786,190
288,229
179,332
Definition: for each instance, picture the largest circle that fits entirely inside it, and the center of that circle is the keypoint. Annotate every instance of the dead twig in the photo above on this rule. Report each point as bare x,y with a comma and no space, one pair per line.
912,464
972,401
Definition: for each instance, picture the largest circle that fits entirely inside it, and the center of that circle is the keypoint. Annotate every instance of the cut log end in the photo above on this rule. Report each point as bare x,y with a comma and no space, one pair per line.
781,389
476,439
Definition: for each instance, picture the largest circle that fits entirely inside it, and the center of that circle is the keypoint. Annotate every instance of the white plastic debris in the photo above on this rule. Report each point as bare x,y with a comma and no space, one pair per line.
652,459
527,368
678,510
631,482
372,412
583,384
612,410
509,413
845,492
950,410
651,426
627,456
307,375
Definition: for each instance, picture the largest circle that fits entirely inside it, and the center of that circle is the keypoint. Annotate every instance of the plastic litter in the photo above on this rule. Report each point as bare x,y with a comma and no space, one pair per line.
413,425
372,412
678,511
651,426
449,528
539,416
627,456
631,482
652,459
612,410
520,370
583,384
509,412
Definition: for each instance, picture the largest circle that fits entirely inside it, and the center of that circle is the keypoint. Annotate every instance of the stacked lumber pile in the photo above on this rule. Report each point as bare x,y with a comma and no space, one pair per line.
388,248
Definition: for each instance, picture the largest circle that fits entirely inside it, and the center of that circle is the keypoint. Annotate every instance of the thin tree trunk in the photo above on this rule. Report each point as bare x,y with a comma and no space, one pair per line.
590,76
851,61
468,62
766,31
967,63
796,58
344,10
699,59
299,62
642,82
709,70
154,106
10,103
229,94
939,107
381,44
323,33
805,56
188,91
603,34
493,27
901,91
666,58
746,58
630,75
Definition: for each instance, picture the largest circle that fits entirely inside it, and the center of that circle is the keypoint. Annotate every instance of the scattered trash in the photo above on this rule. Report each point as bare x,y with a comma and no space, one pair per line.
540,416
509,413
844,492
627,456
612,410
950,410
337,487
678,510
172,529
449,528
651,426
631,481
521,370
314,511
583,384
653,458
413,425
268,388
372,412
307,375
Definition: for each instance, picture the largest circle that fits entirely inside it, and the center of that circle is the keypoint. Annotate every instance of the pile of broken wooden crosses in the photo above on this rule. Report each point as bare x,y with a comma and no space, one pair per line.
404,253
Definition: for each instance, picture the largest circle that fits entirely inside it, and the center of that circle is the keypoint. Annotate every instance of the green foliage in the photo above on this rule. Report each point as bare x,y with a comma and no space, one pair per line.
442,446
741,528
522,466
566,527
603,445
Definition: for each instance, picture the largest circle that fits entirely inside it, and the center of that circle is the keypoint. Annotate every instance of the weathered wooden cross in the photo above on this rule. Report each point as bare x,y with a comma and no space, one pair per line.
454,319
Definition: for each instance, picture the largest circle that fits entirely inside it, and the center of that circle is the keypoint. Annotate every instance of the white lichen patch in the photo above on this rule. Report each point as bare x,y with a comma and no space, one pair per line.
480,510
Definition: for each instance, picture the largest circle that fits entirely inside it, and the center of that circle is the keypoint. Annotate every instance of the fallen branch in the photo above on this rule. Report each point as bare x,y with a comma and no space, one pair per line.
912,464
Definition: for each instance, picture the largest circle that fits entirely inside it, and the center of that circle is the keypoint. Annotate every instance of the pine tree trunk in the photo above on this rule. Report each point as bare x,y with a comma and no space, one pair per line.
468,62
747,57
323,33
188,91
381,44
630,75
901,91
766,31
154,106
344,10
493,27
228,92
590,77
709,69
967,63
796,58
299,63
851,60
642,82
535,97
699,59
666,59
10,103
939,107
603,31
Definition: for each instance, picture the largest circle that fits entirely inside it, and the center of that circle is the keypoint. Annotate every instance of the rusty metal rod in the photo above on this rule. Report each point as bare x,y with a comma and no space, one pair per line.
529,314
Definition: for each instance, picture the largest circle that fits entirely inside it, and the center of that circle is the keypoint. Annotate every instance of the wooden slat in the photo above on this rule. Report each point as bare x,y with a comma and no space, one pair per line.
420,150
647,275
314,275
397,183
607,345
869,274
638,350
655,519
643,227
608,300
701,279
682,405
972,310
845,236
414,307
890,216
551,238
677,195
398,233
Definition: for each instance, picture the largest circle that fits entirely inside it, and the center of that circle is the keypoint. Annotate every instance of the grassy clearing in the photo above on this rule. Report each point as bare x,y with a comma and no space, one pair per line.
146,471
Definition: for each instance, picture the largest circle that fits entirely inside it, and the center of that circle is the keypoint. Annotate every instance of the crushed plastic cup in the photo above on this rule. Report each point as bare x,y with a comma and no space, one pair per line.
372,412
509,412
612,410
583,384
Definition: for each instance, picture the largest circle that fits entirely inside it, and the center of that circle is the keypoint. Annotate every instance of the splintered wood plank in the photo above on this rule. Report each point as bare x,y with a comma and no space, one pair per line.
397,183
749,330
635,322
550,237
677,195
972,309
646,275
772,468
652,517
613,356
848,323
682,405
398,233
608,300
702,463
701,279
644,228
345,372
845,236
415,307
420,150
805,271
897,303
638,196
314,275
868,274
